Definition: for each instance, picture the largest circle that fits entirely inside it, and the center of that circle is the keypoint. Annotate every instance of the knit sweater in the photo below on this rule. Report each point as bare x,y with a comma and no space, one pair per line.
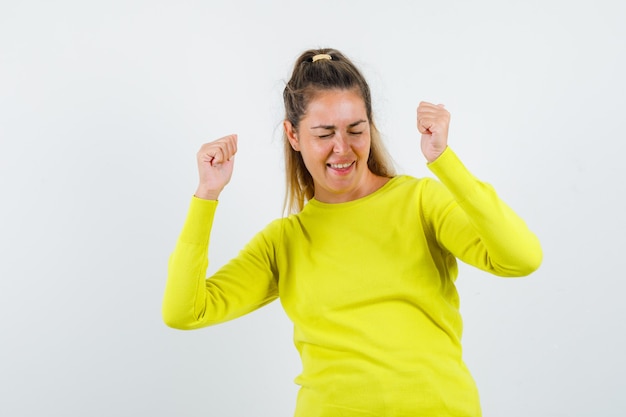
370,287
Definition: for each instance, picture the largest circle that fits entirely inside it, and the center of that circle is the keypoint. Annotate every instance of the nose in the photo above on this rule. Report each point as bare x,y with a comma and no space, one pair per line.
341,144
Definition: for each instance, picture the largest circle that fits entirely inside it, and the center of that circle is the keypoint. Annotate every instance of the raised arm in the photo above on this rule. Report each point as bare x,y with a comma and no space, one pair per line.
190,301
467,216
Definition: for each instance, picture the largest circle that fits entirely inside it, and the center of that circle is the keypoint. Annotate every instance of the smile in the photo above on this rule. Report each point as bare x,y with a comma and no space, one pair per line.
341,166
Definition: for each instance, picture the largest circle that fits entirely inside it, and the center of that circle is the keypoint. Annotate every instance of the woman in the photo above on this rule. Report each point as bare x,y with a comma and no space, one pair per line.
365,267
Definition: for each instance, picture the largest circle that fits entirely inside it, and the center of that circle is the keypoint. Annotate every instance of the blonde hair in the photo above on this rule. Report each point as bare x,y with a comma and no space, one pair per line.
332,72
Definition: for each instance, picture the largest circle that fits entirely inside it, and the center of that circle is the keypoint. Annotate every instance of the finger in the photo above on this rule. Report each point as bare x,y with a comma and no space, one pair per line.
218,151
441,116
229,146
424,126
425,106
211,153
218,157
431,112
430,107
232,146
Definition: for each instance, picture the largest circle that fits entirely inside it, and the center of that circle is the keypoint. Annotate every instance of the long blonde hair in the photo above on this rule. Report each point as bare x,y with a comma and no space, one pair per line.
308,78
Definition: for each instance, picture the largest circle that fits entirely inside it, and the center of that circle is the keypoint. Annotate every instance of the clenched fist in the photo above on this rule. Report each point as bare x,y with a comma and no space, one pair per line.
215,166
433,122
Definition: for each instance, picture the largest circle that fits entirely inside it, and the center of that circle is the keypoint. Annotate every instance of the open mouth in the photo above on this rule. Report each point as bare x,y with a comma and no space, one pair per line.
341,166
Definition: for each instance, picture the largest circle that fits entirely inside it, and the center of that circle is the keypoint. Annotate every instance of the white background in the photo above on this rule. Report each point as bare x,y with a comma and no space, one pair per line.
103,106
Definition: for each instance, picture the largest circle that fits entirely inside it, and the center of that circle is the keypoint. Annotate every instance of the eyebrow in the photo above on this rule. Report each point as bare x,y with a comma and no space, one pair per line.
331,127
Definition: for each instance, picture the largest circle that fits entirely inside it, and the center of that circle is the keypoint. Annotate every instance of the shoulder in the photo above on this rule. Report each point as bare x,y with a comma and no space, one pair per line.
276,229
426,194
403,185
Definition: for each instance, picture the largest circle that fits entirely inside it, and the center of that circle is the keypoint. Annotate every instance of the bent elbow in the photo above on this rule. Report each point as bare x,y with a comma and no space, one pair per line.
534,258
530,257
529,267
529,263
175,321
536,261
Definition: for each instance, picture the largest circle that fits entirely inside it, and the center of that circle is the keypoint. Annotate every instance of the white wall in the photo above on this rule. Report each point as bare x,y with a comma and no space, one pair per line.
104,104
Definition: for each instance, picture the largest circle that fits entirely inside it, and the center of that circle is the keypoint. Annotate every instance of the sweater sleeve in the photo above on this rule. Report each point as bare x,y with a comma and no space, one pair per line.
476,226
246,283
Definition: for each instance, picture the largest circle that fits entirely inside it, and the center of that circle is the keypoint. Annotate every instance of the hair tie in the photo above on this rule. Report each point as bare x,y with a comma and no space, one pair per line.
321,56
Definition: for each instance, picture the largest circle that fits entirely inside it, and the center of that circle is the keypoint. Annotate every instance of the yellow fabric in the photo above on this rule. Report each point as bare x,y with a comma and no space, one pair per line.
369,286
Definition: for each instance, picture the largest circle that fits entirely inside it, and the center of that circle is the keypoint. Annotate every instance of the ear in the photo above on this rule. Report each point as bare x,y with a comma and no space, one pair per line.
290,131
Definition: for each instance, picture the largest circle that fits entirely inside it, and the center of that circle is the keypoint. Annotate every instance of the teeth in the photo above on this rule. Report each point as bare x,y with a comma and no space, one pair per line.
340,166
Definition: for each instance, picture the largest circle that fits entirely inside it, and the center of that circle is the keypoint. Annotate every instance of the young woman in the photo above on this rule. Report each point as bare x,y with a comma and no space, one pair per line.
366,264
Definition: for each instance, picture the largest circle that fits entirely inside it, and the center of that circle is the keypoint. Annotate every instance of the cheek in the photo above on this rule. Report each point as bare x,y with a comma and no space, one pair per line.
363,145
312,157
315,150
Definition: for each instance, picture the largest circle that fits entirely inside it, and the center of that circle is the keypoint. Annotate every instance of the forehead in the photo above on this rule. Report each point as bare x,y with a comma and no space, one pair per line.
334,106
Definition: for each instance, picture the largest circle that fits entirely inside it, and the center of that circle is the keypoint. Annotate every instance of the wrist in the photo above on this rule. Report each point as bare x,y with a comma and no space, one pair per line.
433,154
207,194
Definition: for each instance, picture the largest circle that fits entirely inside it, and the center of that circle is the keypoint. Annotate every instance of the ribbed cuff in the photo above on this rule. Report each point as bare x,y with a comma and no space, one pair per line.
199,221
453,174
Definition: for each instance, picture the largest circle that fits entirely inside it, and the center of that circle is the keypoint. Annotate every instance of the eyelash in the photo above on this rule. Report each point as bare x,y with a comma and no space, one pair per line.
330,134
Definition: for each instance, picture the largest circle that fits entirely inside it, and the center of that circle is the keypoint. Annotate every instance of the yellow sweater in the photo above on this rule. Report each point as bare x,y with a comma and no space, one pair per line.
369,286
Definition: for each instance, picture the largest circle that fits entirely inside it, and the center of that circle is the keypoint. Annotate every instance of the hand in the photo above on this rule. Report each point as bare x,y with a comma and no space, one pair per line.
433,122
215,166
